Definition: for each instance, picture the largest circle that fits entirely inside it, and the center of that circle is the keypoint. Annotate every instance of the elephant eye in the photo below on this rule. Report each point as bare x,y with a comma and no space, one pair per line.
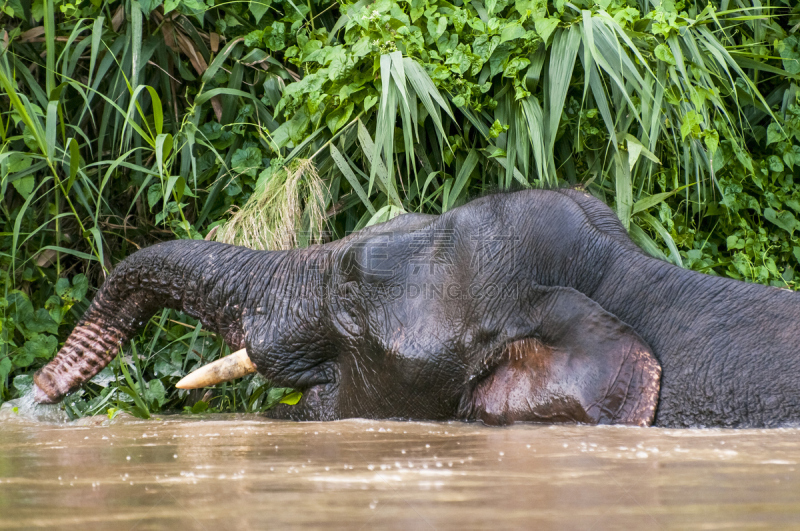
348,290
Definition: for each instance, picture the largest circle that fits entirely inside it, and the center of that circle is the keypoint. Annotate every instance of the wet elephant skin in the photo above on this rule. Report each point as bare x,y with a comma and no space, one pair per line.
526,306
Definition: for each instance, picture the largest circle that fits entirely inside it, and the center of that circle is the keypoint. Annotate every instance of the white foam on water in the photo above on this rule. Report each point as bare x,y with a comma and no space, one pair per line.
26,408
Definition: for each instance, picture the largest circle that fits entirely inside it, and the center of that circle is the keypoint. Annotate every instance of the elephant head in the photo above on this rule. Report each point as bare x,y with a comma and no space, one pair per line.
526,306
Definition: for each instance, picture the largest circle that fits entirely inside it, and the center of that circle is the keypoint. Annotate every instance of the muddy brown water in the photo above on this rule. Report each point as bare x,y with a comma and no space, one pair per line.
244,472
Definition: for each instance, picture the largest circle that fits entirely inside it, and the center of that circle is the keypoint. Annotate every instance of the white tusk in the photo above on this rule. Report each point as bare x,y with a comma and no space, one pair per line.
228,368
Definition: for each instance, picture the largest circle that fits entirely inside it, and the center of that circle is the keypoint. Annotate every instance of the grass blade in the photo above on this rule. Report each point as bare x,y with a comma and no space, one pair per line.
344,167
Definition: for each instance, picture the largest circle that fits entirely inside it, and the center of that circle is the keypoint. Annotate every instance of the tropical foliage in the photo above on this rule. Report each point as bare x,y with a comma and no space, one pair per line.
274,123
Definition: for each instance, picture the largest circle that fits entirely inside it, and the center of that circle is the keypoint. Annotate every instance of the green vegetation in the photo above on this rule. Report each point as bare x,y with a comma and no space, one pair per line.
128,122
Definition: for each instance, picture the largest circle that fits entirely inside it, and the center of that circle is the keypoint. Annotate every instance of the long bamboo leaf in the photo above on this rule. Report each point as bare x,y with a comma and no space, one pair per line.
344,167
50,46
562,62
462,179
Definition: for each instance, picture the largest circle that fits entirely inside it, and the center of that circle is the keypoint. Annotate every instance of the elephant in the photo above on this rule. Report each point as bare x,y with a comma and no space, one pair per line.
525,306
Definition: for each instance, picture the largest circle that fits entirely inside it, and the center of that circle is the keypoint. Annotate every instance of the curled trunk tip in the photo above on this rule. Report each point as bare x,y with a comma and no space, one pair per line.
185,275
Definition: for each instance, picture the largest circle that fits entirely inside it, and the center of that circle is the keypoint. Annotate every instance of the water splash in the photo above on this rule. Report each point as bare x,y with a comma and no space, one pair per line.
26,408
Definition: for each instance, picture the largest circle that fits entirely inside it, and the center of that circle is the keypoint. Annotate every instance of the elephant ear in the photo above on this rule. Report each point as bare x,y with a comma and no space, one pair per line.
583,365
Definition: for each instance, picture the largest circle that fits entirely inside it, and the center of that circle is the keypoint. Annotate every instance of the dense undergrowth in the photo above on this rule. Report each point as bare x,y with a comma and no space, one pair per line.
124,123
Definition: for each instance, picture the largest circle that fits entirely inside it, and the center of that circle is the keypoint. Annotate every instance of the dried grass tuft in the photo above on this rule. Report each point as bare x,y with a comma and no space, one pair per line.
286,212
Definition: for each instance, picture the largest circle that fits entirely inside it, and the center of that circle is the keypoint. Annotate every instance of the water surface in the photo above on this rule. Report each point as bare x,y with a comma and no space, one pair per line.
240,472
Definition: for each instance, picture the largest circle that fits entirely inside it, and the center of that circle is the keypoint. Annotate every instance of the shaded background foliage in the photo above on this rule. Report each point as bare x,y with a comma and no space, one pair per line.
277,123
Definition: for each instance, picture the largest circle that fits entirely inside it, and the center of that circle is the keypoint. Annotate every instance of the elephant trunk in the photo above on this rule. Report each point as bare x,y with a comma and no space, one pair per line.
203,279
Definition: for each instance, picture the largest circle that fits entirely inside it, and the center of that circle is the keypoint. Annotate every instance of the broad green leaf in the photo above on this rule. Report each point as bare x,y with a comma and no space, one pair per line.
792,156
74,293
155,393
42,345
23,383
545,27
339,117
663,52
247,160
775,163
711,139
41,322
5,368
24,186
292,398
441,26
17,161
148,6
199,407
783,219
774,133
259,8
789,48
170,5
691,124
512,31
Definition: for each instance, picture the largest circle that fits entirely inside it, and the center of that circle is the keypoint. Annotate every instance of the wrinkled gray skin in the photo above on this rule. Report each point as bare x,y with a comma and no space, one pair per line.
544,312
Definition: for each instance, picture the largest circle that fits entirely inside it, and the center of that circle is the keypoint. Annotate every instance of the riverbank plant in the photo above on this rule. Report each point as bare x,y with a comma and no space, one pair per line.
273,123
